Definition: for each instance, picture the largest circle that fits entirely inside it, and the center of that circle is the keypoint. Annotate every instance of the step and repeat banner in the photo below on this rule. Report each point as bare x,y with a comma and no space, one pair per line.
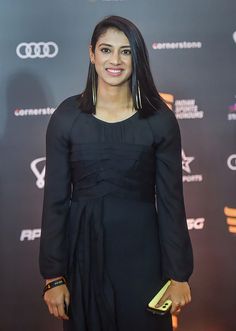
44,59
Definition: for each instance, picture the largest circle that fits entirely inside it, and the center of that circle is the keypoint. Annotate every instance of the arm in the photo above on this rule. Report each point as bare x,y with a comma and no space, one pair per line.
176,248
56,202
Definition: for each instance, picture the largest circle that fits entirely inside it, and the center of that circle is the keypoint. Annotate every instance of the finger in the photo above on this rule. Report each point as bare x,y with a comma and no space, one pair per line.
175,309
177,312
66,309
175,306
55,311
182,303
187,299
67,303
67,299
163,299
50,308
61,311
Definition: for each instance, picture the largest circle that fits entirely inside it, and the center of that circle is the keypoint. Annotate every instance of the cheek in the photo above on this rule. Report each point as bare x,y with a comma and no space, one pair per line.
98,63
101,61
130,64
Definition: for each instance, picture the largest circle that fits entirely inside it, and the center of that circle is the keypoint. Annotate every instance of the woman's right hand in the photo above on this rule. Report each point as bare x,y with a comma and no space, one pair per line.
56,298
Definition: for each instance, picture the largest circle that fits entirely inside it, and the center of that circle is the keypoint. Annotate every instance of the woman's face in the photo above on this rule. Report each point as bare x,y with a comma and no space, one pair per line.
112,58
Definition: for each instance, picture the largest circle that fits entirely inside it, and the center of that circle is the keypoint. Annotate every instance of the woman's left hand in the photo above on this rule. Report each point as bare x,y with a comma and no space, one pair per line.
180,295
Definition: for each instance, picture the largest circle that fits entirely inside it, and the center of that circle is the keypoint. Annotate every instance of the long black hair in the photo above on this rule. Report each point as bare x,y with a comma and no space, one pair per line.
151,99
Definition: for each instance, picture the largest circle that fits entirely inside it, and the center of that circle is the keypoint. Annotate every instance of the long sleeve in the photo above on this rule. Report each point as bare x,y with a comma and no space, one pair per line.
176,248
57,192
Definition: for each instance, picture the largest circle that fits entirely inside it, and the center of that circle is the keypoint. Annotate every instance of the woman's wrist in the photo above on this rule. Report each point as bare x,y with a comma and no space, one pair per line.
173,281
49,280
54,283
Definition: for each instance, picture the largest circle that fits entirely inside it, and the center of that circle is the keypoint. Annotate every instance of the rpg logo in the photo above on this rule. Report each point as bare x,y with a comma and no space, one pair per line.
39,171
30,234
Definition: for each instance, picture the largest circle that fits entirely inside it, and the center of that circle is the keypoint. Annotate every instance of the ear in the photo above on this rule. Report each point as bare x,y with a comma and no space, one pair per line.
91,54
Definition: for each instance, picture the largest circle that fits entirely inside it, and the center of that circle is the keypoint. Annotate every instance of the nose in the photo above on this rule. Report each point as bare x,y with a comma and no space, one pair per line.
115,58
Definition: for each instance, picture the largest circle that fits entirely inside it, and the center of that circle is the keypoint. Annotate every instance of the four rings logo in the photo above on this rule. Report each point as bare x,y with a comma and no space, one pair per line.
35,50
40,175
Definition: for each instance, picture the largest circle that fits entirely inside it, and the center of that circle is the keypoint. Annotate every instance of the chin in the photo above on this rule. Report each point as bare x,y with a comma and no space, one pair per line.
116,83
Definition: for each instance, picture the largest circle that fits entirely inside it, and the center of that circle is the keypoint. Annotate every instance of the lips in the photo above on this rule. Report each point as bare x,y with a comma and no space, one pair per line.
114,71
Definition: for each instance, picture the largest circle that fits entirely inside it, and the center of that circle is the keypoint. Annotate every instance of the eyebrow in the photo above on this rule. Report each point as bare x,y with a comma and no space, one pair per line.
103,44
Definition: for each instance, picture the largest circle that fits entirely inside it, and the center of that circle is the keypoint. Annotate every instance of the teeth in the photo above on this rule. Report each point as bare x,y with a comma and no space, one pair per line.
114,71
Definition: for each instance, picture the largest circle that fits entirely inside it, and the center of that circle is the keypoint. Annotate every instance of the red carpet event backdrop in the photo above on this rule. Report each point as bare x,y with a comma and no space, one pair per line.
44,59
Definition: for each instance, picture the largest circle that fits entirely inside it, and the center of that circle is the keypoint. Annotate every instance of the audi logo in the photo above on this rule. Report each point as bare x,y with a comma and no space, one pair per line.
35,50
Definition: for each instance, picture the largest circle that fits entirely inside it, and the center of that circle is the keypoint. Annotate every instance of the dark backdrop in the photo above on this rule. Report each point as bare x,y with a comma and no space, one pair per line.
192,47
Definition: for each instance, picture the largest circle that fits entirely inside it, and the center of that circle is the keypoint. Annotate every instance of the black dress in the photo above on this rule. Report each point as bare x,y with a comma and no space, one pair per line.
103,226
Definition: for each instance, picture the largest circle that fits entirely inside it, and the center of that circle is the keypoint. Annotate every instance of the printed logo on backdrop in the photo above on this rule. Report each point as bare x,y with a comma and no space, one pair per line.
33,111
188,177
37,50
183,108
30,234
231,162
177,45
187,109
230,214
234,36
195,223
38,167
168,98
232,112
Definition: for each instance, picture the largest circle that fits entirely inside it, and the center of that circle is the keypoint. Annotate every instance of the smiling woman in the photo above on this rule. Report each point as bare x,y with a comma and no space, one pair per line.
113,151
114,59
113,65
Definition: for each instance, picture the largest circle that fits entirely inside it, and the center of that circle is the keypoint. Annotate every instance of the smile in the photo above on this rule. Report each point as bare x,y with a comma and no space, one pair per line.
114,72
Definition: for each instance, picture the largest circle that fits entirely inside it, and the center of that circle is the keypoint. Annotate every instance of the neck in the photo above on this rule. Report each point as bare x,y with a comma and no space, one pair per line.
114,97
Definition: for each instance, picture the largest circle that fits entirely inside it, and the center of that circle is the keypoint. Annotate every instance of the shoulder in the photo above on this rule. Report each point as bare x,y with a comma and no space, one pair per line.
68,108
163,121
65,114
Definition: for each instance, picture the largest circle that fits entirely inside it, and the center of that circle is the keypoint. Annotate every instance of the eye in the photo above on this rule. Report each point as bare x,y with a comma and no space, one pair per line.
105,50
126,51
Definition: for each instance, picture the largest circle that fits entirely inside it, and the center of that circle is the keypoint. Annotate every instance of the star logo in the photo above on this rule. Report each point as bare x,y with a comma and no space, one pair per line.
186,160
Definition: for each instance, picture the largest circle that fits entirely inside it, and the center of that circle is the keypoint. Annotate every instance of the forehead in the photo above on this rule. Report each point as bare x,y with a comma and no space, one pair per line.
113,36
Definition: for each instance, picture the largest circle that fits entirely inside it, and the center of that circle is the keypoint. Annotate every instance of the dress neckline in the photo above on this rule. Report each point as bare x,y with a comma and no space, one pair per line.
117,122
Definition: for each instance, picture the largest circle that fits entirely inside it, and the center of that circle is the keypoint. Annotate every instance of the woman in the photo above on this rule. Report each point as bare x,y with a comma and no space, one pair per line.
113,225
